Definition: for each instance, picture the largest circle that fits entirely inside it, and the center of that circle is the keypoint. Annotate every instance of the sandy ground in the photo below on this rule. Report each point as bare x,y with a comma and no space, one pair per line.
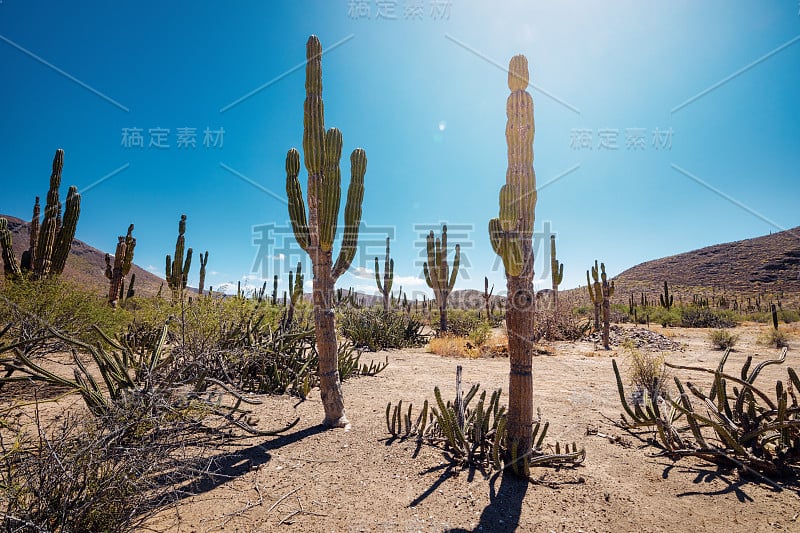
312,479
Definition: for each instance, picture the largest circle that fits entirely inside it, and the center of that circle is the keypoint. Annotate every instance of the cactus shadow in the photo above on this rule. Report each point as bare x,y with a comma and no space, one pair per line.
505,505
733,482
228,466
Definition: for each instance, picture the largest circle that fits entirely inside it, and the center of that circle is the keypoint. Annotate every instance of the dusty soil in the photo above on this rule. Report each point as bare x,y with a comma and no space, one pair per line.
312,479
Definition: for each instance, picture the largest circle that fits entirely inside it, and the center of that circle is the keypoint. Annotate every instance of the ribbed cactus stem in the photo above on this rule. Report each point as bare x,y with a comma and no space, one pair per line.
29,256
177,269
50,223
123,260
607,289
10,267
275,290
511,235
388,277
556,272
438,274
315,232
202,282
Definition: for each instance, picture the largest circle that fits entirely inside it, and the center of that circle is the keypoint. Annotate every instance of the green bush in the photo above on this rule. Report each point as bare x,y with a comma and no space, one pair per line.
375,329
702,317
460,322
35,306
722,338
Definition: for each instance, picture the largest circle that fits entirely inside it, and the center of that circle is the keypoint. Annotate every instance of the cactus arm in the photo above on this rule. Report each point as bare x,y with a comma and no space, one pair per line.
11,268
330,192
352,212
454,272
297,207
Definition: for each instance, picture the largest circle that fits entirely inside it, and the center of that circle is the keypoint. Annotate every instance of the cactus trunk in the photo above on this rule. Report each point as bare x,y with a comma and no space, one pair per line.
511,235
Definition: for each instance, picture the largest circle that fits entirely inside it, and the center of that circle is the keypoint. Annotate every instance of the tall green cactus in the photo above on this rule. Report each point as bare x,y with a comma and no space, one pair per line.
203,262
50,241
315,233
666,298
177,269
438,274
511,235
388,277
123,259
607,292
556,272
275,290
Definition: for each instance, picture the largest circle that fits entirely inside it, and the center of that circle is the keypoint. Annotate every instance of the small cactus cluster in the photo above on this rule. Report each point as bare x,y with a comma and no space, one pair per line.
743,427
123,260
601,298
177,269
478,435
438,274
385,288
51,239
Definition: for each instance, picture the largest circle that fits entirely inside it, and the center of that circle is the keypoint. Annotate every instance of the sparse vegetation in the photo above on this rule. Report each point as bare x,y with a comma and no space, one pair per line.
723,339
374,329
477,436
742,427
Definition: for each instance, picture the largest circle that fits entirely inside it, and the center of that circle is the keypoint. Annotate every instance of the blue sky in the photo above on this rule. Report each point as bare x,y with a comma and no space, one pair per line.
660,127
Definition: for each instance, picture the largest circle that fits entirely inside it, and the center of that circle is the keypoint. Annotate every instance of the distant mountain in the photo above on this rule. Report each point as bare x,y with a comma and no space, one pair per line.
86,265
768,265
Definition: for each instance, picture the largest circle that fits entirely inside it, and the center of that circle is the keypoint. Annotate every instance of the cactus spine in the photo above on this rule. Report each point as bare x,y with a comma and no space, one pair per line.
50,241
123,260
178,269
202,282
388,277
438,274
556,272
511,235
315,233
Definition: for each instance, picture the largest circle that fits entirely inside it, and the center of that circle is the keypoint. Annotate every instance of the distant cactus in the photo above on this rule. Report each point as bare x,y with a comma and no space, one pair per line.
556,272
487,297
177,269
275,290
123,260
607,292
50,241
511,235
203,263
438,274
666,298
295,292
388,276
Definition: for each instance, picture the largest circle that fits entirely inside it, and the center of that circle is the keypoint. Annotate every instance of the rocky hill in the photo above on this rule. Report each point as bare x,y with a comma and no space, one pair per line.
86,265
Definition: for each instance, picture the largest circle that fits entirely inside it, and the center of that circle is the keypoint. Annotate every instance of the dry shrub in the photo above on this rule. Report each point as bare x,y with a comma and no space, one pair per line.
775,337
452,346
647,372
722,338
